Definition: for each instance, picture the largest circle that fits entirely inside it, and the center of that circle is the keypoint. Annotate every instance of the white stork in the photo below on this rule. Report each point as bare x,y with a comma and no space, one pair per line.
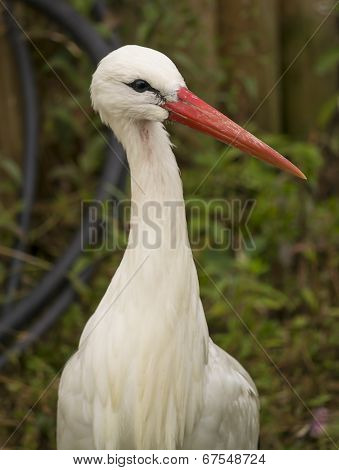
146,374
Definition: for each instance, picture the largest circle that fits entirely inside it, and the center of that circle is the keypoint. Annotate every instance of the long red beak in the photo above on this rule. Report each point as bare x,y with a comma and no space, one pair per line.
194,112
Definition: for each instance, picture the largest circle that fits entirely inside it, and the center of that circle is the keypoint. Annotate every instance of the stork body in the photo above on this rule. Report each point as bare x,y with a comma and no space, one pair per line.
146,374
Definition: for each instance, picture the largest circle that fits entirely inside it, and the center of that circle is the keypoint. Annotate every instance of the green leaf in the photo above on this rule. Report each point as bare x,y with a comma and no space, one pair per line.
328,61
12,169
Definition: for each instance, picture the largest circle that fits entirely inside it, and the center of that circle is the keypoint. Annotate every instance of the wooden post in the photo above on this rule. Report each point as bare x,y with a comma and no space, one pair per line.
305,91
250,54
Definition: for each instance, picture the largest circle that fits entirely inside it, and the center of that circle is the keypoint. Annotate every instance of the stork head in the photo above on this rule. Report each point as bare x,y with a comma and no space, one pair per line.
136,83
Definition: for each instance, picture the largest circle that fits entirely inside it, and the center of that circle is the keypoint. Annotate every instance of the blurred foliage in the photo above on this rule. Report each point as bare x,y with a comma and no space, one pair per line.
285,291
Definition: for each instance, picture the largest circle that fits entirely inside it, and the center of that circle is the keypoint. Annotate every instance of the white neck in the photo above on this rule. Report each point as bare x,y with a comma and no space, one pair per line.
158,220
166,332
154,171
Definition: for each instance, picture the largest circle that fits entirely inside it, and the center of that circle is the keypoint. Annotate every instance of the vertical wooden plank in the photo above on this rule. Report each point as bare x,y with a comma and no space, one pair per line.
250,53
305,91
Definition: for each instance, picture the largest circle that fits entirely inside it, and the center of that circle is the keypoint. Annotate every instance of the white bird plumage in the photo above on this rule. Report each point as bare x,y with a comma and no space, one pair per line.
146,374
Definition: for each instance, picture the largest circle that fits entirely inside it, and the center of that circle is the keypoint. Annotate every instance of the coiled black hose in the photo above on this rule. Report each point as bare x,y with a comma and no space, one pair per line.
30,145
113,174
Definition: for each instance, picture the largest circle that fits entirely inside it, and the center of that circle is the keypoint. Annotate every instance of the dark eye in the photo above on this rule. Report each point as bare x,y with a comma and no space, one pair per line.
140,86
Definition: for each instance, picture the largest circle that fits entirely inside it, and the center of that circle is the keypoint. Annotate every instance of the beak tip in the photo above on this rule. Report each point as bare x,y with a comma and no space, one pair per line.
301,175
